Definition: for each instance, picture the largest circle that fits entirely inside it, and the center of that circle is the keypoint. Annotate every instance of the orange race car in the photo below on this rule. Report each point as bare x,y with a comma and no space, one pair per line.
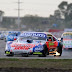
53,45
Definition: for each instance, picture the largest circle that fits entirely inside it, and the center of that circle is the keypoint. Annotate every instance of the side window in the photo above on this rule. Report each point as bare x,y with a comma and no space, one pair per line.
49,38
54,39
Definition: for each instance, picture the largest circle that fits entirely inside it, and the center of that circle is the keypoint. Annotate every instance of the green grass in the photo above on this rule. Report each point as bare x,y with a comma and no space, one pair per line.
36,63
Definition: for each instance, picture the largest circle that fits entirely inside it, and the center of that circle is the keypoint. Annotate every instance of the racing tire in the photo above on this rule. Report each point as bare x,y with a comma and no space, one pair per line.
24,55
59,49
45,51
11,54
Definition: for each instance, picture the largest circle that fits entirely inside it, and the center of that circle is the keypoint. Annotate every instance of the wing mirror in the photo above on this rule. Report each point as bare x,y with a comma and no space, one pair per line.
61,39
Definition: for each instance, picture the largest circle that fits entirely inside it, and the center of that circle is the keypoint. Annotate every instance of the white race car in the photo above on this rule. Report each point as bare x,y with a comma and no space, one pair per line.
27,43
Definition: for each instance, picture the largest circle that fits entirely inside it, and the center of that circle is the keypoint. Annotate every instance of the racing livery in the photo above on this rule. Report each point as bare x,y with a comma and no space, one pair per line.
12,35
1,36
54,45
67,40
38,43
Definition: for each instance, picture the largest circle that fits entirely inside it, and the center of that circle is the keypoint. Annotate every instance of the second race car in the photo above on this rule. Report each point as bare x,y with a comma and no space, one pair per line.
12,35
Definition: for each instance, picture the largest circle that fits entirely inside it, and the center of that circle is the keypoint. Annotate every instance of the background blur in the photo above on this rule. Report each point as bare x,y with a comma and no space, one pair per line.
57,22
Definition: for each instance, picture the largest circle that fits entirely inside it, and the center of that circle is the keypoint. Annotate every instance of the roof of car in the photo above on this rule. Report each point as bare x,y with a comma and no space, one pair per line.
65,33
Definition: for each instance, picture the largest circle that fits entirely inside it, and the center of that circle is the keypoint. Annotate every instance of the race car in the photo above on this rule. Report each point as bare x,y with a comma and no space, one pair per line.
1,36
54,45
34,43
67,40
12,35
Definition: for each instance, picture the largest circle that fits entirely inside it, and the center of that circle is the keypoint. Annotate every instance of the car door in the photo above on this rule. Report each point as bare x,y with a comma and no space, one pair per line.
51,42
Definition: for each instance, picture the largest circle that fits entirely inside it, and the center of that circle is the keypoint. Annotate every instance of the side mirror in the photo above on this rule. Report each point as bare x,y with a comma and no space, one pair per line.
61,39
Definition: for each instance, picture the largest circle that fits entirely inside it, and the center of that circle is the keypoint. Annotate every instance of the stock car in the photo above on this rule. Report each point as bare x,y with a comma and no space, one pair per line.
38,43
67,40
12,35
1,36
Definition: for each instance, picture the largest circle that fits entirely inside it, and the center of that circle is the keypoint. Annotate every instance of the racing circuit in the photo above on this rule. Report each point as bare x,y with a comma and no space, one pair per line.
66,54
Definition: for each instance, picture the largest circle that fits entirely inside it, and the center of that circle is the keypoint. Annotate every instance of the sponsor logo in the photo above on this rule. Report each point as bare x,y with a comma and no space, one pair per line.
7,52
11,37
34,34
22,47
51,44
38,48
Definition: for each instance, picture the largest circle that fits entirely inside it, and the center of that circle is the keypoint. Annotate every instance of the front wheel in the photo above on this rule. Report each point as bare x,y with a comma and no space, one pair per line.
11,54
45,51
59,50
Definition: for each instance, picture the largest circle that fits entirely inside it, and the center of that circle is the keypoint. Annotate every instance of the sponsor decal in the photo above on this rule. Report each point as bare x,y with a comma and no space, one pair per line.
51,44
9,42
22,46
34,34
38,48
67,43
37,53
11,37
7,52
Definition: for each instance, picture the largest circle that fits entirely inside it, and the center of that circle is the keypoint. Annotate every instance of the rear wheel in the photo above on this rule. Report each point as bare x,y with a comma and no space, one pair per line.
11,54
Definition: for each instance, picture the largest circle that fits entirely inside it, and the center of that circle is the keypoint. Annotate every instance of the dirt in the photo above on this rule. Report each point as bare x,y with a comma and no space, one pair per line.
11,69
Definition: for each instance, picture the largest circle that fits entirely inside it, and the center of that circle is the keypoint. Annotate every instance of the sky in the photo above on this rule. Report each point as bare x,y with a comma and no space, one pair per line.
43,8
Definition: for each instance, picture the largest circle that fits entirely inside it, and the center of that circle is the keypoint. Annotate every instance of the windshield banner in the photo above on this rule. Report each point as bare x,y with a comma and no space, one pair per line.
34,34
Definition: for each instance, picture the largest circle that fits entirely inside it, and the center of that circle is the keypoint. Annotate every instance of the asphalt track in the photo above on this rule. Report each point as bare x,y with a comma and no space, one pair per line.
66,54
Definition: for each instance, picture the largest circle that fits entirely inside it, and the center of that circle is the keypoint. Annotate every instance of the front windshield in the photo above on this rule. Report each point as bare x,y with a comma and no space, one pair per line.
68,36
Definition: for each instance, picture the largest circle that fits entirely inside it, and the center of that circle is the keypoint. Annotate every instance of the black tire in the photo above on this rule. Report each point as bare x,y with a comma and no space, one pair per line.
59,49
24,55
11,54
45,51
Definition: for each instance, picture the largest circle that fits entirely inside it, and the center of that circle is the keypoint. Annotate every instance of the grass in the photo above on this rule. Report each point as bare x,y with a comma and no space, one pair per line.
36,63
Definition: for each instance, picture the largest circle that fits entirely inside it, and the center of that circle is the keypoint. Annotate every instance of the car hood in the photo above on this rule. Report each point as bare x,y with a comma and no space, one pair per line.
25,45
